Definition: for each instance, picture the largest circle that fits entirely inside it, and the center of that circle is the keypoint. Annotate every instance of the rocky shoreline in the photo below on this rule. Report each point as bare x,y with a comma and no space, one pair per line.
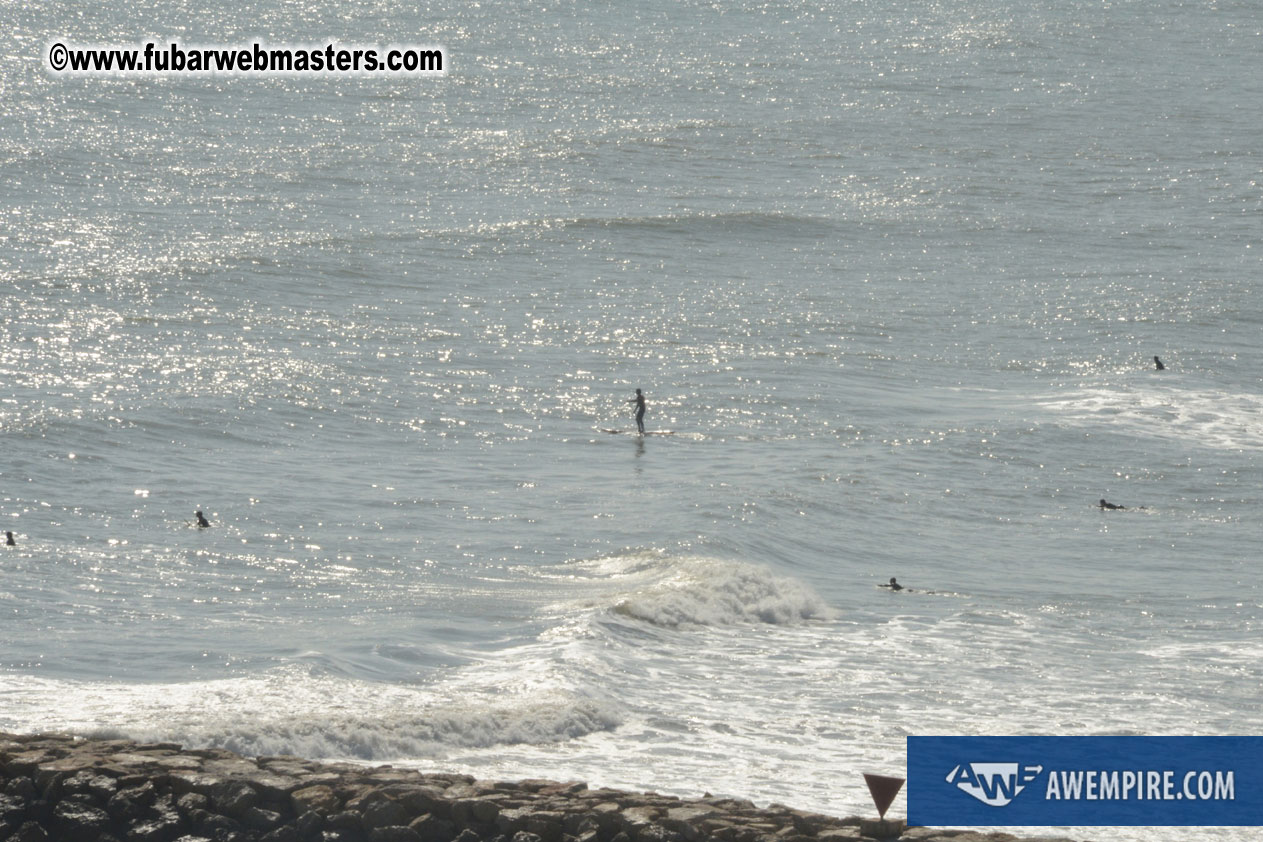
57,787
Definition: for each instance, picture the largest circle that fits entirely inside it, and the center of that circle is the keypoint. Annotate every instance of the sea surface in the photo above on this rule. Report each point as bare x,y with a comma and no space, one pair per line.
891,274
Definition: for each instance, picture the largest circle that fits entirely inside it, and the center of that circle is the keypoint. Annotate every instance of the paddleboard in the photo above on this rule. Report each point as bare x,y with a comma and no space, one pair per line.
634,433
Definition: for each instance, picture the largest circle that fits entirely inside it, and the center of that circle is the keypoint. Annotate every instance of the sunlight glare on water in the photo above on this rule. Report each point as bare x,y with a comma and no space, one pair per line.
892,279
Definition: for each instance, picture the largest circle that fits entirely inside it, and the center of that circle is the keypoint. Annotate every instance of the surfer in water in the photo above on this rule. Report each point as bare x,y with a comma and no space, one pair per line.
8,539
202,522
894,586
639,400
1158,362
1105,505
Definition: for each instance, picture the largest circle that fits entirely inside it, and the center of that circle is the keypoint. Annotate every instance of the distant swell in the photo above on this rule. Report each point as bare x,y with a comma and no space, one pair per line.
750,221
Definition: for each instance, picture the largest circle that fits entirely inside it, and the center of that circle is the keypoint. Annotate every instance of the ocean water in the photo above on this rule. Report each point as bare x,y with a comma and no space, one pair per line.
892,275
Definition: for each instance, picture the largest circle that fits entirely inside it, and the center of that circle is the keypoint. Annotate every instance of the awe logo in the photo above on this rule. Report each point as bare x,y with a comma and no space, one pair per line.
994,784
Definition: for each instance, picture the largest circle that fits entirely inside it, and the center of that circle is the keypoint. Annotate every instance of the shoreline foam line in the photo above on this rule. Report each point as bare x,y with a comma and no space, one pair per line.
62,787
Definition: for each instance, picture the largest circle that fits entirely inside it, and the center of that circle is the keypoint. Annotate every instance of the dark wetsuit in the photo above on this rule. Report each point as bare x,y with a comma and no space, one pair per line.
1105,505
8,539
202,522
1159,363
639,400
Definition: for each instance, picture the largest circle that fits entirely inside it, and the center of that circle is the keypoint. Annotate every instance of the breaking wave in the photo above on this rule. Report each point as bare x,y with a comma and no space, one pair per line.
709,592
323,719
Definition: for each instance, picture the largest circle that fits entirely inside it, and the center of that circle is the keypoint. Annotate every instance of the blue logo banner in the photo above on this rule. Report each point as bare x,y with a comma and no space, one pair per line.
1085,781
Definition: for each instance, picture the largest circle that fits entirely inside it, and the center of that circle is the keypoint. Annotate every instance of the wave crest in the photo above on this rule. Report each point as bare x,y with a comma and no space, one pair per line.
716,593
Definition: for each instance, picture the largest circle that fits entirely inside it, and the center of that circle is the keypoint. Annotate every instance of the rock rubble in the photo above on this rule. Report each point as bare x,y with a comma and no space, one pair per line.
57,787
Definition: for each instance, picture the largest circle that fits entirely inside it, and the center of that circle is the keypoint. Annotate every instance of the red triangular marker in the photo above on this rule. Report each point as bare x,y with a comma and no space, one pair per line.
883,790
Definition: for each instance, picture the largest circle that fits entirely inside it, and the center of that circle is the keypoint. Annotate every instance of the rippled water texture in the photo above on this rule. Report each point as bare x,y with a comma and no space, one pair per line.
891,277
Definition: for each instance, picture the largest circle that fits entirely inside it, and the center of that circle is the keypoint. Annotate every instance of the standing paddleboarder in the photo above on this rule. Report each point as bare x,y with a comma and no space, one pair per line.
639,400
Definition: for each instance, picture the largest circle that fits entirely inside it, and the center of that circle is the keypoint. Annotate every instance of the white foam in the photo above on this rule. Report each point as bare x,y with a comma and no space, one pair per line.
1213,418
705,592
287,712
675,591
